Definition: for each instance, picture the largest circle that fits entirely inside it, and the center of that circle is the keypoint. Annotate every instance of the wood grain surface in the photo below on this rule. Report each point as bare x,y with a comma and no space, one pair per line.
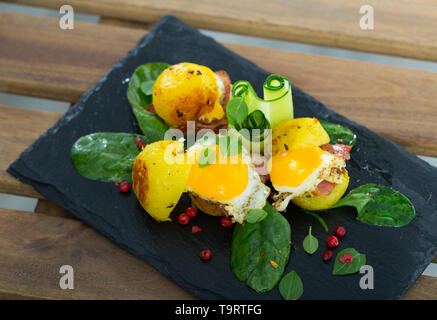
49,208
396,103
401,27
19,128
34,246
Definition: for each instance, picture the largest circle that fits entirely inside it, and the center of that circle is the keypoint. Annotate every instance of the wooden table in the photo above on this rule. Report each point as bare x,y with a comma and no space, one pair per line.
39,59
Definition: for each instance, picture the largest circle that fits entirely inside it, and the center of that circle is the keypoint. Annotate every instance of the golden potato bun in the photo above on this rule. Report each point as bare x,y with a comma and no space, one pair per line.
298,133
309,201
159,177
185,91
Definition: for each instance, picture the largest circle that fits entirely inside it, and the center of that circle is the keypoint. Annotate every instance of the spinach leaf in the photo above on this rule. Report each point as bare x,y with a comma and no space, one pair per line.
291,286
261,250
105,156
147,87
237,111
379,205
139,94
152,126
256,215
339,134
310,243
344,267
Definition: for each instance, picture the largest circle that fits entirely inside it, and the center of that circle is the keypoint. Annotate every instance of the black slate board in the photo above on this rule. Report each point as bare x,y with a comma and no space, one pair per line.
398,255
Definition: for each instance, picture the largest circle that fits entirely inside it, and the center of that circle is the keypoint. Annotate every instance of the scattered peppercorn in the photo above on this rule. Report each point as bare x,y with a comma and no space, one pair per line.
205,254
183,219
226,222
191,212
332,241
327,255
340,231
195,229
124,186
348,257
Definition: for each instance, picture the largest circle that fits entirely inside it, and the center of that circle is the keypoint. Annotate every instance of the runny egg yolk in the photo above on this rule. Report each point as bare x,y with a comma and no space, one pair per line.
219,181
292,168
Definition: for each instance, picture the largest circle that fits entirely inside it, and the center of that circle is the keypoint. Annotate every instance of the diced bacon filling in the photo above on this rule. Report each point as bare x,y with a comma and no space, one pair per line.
224,77
324,188
338,149
259,163
151,108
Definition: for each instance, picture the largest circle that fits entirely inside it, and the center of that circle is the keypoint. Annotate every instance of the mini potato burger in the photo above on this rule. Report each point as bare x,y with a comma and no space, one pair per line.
305,168
188,91
159,177
229,186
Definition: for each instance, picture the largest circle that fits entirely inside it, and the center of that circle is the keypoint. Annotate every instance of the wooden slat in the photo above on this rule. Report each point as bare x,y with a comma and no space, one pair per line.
49,208
397,103
33,247
18,129
62,66
425,288
404,28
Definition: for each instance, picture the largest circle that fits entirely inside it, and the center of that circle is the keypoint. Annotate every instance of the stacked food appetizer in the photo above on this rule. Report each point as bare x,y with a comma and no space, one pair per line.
304,167
241,157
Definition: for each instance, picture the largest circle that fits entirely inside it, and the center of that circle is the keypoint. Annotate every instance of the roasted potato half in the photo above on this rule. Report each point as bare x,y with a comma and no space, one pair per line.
309,201
298,133
159,177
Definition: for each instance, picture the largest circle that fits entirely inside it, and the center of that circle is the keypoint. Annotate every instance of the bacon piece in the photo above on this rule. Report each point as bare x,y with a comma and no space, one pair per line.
324,188
215,125
224,77
338,149
151,108
259,162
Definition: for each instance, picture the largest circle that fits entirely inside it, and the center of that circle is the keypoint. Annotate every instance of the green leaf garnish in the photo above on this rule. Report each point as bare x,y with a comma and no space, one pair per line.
343,267
105,156
236,110
339,134
277,104
207,157
318,218
139,94
255,215
229,145
379,205
291,286
261,250
310,243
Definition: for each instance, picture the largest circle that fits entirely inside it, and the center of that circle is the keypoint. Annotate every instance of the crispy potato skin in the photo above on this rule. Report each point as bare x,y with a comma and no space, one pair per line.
159,177
309,201
298,133
207,206
184,92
